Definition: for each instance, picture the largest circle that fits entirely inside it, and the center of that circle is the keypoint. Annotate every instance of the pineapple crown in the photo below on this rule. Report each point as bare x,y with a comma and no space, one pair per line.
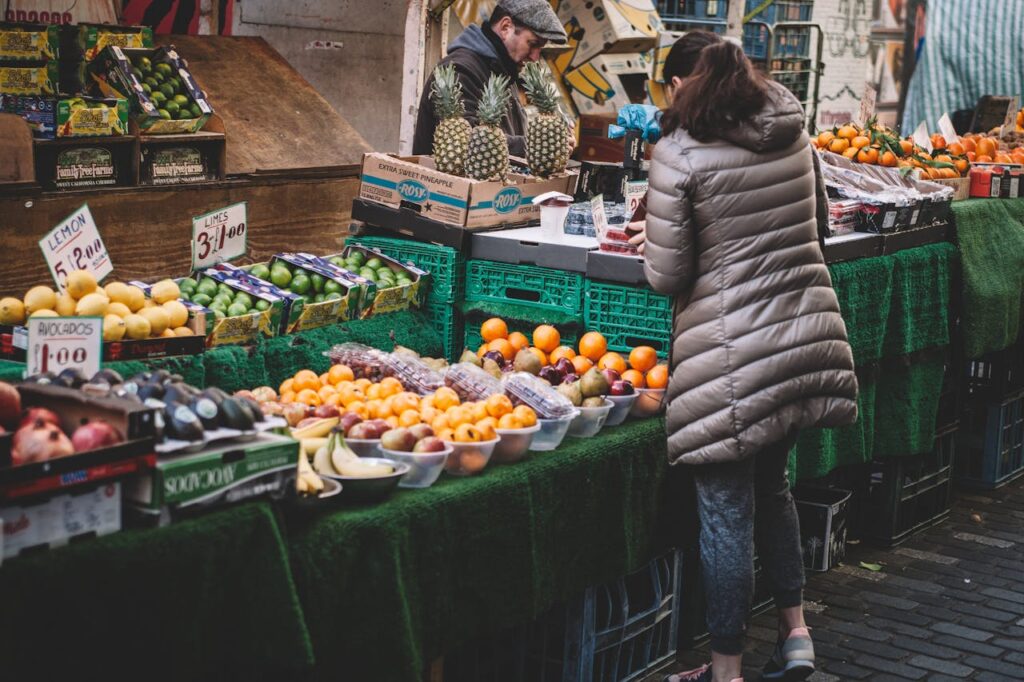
539,89
493,104
446,93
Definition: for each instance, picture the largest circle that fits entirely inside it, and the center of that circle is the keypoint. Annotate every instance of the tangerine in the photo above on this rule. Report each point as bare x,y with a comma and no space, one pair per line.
487,426
409,418
593,345
363,384
634,377
333,399
860,142
445,398
956,149
323,379
851,153
494,328
286,386
981,158
938,142
561,352
509,421
612,361
518,340
375,392
359,407
309,397
468,433
642,358
440,423
526,415
986,147
478,410
428,414
969,145
326,392
546,338
305,379
390,386
838,145
867,155
498,405
825,137
907,147
457,416
888,159
847,132
502,346
446,434
405,401
338,373
657,377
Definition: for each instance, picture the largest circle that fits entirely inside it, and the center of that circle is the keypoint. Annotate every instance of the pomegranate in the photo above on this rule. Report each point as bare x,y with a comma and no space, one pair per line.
10,405
39,441
36,413
93,435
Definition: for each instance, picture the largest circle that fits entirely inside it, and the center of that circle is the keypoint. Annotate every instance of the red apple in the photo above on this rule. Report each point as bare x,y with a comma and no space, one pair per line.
611,376
348,420
621,387
565,366
421,431
430,444
362,431
325,411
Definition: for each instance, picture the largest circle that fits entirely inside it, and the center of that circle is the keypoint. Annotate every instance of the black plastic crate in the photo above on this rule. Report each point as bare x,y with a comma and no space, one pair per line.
992,444
997,375
951,397
908,494
823,516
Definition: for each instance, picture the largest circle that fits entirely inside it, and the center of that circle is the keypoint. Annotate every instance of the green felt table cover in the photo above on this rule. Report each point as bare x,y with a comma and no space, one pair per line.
990,233
920,309
387,588
210,598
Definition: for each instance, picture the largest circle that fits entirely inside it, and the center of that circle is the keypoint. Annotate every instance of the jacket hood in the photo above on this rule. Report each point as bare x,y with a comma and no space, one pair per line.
473,39
777,126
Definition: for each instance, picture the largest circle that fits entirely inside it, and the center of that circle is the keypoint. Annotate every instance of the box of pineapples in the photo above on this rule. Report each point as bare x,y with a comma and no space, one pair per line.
164,97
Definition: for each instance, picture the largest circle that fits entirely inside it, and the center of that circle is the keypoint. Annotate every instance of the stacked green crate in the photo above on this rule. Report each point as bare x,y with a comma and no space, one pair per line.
628,316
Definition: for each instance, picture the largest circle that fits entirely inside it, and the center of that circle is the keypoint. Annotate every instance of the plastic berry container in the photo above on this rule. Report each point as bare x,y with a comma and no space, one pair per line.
472,383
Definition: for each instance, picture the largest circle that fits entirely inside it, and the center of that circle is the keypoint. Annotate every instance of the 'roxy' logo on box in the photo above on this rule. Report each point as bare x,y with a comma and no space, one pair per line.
507,200
414,191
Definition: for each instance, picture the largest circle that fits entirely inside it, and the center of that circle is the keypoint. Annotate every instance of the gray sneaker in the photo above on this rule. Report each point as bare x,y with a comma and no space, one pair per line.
793,660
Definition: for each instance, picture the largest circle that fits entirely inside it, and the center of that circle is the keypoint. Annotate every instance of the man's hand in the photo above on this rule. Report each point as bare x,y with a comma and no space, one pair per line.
640,238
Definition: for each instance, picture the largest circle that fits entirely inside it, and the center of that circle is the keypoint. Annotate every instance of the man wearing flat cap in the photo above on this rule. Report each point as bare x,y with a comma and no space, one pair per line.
512,37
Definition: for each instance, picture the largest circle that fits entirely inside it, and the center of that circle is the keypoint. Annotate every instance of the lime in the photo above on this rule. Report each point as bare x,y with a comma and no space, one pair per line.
332,287
184,114
151,82
223,299
375,263
164,114
243,298
181,100
262,305
237,310
300,284
186,295
217,305
368,273
207,287
357,257
319,298
280,276
146,89
317,282
144,64
164,68
219,314
157,97
225,289
339,261
196,111
202,299
172,107
158,77
176,84
333,296
188,283
260,270
167,89
137,72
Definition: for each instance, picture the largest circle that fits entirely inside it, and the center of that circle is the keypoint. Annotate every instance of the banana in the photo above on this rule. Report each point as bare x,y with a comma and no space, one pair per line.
318,429
307,480
359,469
309,446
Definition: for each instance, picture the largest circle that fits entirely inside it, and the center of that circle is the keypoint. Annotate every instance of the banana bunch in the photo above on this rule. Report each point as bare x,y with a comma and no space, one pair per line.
335,458
318,429
307,482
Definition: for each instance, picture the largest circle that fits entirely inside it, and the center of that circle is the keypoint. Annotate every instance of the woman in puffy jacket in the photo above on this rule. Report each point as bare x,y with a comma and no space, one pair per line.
759,349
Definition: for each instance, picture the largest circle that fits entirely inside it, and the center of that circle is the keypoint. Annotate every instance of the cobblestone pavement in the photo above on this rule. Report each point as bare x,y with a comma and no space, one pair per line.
948,604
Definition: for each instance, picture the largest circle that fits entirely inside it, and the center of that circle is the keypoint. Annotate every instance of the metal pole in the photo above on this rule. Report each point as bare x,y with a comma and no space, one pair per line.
734,19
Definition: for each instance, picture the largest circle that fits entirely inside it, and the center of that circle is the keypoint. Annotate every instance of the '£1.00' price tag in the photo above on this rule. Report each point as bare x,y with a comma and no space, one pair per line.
219,236
59,343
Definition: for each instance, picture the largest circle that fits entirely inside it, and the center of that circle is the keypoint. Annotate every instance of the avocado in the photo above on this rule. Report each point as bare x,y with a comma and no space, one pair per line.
234,416
207,411
182,423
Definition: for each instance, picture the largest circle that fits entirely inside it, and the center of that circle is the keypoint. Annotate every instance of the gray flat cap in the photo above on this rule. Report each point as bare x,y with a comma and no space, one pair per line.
537,16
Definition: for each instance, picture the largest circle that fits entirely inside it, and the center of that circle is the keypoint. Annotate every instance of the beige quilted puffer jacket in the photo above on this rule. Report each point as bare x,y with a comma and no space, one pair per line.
759,348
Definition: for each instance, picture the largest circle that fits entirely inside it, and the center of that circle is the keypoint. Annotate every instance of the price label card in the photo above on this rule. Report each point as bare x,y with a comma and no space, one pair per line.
75,244
600,219
867,104
921,138
636,190
947,129
59,343
219,236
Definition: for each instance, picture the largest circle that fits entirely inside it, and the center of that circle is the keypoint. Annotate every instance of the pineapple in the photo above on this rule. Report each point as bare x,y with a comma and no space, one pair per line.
451,137
547,136
488,148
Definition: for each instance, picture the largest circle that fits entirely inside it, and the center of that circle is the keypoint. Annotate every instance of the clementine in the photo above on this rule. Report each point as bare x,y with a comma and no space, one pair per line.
839,145
634,377
546,338
498,405
593,345
582,363
612,361
642,358
526,415
502,346
494,328
561,352
305,379
338,373
518,340
658,377
308,396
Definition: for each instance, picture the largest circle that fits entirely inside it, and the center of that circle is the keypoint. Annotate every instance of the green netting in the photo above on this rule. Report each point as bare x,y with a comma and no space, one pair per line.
864,288
919,315
991,237
907,404
233,368
191,367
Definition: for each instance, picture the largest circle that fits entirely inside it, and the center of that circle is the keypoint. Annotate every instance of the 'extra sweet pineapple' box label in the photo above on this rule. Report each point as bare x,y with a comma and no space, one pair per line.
87,117
85,167
413,183
29,79
20,42
174,165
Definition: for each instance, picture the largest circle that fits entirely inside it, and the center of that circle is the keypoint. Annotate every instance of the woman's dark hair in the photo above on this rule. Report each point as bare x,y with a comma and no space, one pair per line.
682,58
724,90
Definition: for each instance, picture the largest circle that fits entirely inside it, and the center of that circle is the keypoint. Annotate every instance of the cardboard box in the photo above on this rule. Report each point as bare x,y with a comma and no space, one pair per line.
30,78
392,299
61,519
531,246
115,76
665,41
997,181
823,515
413,182
608,82
70,163
313,315
609,26
218,475
285,308
93,38
29,42
183,159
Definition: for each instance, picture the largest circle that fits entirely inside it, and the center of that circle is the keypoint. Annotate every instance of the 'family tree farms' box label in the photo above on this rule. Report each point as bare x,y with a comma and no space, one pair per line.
176,165
85,167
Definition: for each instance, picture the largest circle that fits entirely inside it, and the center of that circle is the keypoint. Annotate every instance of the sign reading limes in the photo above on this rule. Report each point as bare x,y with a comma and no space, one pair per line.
75,244
219,236
59,343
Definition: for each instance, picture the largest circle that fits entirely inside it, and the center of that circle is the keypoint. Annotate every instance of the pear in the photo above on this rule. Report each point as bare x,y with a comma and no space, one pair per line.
527,361
492,368
470,357
593,383
572,392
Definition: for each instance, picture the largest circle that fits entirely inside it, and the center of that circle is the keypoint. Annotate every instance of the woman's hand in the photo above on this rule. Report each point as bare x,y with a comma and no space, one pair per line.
640,227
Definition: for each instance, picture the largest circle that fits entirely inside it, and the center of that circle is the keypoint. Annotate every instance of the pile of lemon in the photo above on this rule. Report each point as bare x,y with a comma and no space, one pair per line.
126,311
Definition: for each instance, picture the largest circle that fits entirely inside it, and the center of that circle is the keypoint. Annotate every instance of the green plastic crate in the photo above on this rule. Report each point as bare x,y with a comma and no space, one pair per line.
447,267
525,285
474,340
628,316
447,320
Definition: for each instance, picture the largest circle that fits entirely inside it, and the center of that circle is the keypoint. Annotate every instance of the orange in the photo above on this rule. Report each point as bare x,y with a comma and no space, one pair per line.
612,361
440,423
526,415
982,158
546,338
509,421
359,407
502,346
634,377
593,345
428,414
405,401
288,397
847,132
938,142
409,418
962,166
390,386
949,173
338,373
518,340
494,328
478,410
888,159
498,405
468,433
907,147
642,358
363,384
933,173
375,392
445,397
375,408
971,156
851,153
427,401
986,147
867,155
457,416
561,352
323,379
308,396
969,144
541,355
582,363
658,377
446,434
487,426
860,141
388,406
326,392
304,379
286,387
944,158
481,350
956,149
825,137
839,145
1003,157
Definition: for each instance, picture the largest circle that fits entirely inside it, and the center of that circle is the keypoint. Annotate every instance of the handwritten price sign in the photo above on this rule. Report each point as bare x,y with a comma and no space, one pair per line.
59,343
219,236
75,244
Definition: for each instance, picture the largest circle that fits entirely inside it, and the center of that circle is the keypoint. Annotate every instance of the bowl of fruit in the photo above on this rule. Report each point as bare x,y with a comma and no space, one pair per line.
593,414
418,447
362,479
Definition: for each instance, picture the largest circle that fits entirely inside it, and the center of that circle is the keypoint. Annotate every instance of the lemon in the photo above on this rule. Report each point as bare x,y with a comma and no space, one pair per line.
114,328
177,312
38,298
169,333
80,283
118,292
183,331
150,303
12,311
92,305
66,305
119,309
158,319
136,299
165,290
44,312
137,327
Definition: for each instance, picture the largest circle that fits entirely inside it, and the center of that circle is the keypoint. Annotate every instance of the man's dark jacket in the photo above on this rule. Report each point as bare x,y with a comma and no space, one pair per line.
476,54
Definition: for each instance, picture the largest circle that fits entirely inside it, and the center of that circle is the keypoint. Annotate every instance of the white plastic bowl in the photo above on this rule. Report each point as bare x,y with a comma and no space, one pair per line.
621,405
469,459
649,403
590,421
551,433
365,448
514,444
424,467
